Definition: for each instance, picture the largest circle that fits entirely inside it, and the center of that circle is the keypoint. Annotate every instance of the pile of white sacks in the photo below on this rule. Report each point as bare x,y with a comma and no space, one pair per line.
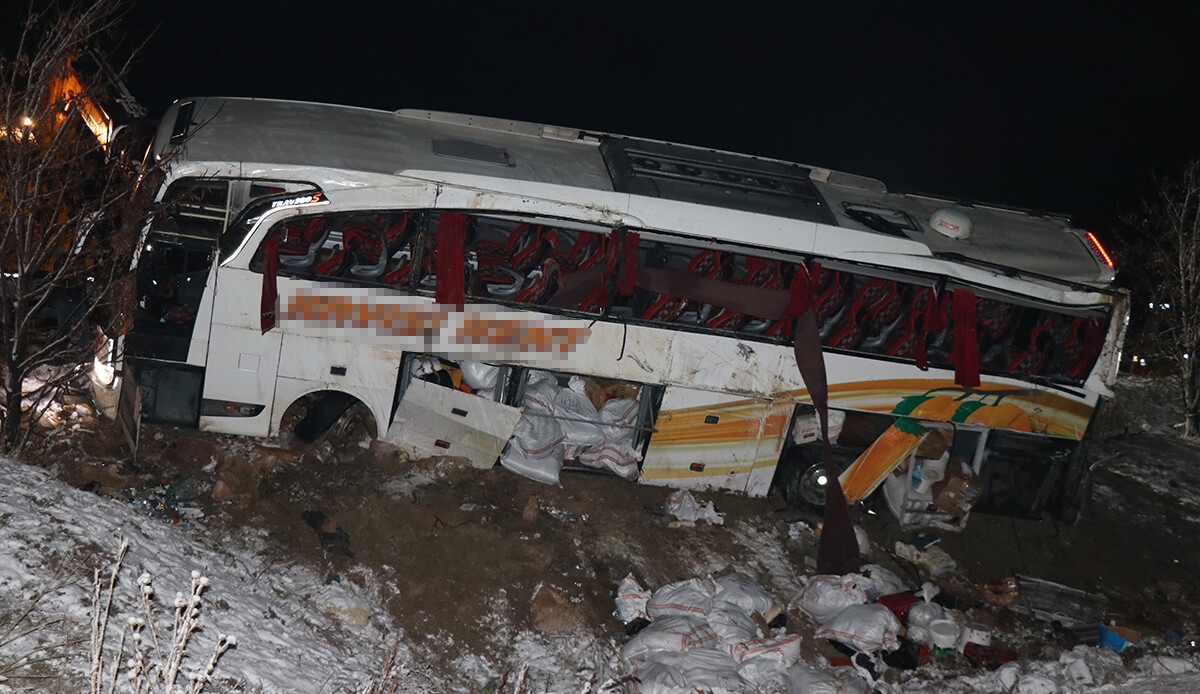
562,424
712,635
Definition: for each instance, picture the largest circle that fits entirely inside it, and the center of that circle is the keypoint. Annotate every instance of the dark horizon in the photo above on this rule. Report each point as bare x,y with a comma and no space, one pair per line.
1063,110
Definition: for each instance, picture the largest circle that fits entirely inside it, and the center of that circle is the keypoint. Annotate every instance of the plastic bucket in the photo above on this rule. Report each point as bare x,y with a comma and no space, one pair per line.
943,633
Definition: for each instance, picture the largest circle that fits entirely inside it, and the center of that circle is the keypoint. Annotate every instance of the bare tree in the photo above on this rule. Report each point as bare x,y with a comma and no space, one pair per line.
1170,260
67,212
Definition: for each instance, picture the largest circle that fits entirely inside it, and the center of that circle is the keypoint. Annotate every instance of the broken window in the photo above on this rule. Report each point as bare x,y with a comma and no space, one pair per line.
385,248
528,263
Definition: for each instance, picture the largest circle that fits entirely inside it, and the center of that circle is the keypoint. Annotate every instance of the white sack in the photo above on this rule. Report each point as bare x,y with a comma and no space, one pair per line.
741,590
732,623
868,628
784,649
877,581
536,447
701,669
616,452
670,634
575,406
825,596
542,469
690,598
631,600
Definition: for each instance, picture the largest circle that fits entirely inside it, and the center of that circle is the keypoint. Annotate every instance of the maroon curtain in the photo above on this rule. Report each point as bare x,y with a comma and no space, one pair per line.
269,307
966,339
450,273
629,277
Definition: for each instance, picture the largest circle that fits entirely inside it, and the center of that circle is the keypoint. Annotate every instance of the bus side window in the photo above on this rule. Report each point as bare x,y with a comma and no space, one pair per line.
524,263
196,208
377,248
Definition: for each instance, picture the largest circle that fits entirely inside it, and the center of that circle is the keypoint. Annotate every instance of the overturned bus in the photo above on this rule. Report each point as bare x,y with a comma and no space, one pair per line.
540,296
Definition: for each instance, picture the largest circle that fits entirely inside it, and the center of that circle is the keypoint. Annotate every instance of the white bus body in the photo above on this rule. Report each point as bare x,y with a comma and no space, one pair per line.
357,202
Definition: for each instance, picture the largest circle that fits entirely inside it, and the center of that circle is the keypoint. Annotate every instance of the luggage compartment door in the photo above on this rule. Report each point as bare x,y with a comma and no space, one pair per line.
435,420
705,439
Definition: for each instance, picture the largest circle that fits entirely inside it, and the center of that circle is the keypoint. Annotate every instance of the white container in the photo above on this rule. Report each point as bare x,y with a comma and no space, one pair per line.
974,633
943,633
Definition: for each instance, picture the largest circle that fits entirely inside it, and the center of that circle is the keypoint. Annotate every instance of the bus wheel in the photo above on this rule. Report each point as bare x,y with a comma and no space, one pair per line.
323,414
808,487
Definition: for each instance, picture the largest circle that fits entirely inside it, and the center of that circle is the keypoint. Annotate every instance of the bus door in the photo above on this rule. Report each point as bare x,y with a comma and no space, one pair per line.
175,264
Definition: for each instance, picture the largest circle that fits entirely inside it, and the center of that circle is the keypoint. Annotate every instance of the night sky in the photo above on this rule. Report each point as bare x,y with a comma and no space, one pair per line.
1063,107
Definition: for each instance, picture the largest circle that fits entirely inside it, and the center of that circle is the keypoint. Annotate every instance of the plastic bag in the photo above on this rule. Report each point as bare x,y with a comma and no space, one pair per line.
825,596
868,628
631,600
923,613
684,506
741,590
690,598
479,376
671,633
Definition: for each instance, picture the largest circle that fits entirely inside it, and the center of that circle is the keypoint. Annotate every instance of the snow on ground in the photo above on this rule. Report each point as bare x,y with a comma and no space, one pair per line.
298,634
288,637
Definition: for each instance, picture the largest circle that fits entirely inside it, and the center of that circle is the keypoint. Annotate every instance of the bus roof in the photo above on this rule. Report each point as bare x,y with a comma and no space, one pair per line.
322,136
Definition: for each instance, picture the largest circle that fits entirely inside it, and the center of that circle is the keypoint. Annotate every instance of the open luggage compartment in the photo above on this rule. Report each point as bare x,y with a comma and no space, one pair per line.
531,420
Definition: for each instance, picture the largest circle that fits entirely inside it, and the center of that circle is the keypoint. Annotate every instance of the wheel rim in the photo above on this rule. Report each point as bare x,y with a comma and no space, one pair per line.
812,485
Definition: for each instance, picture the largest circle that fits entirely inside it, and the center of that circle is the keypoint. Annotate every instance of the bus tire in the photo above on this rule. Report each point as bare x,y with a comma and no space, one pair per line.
806,489
798,475
323,415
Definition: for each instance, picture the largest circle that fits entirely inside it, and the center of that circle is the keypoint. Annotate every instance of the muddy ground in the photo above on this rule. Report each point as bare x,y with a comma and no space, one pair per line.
449,547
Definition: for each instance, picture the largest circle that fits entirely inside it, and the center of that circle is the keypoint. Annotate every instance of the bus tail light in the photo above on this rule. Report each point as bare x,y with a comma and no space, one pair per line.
1098,251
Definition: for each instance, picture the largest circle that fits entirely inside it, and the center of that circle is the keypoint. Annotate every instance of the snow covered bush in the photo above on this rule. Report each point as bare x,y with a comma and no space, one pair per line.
149,666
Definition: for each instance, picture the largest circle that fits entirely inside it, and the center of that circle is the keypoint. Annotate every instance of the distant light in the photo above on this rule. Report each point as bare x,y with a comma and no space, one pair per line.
1151,304
870,512
1142,362
822,480
1166,305
26,121
1187,356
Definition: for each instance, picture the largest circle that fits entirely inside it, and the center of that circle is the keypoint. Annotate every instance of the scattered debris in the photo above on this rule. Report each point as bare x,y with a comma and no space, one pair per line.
684,506
933,559
1118,638
1001,592
1051,601
332,537
551,609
